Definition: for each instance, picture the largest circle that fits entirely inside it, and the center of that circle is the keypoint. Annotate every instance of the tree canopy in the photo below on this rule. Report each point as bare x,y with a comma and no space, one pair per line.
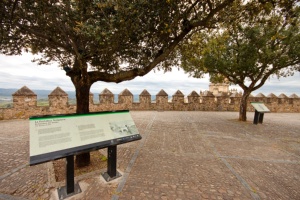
258,41
118,39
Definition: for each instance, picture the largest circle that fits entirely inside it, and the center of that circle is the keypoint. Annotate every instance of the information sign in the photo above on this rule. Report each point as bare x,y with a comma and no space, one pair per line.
58,136
260,107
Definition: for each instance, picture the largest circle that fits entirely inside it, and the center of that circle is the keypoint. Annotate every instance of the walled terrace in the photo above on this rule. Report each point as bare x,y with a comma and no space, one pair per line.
25,102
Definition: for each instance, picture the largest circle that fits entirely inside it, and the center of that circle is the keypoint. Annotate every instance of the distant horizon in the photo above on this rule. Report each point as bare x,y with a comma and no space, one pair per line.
69,91
17,71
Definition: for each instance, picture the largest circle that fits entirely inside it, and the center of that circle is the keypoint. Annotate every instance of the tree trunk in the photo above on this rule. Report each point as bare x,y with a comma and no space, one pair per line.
82,106
81,81
82,98
243,105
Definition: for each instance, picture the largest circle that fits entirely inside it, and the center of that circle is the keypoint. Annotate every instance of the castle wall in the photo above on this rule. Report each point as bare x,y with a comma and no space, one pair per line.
25,105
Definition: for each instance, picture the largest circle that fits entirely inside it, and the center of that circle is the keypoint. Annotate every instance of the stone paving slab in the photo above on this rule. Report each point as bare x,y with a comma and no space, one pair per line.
270,179
251,149
181,177
13,145
28,182
13,155
183,155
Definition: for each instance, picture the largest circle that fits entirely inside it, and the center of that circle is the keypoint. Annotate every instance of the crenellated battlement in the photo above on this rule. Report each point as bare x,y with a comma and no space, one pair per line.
25,102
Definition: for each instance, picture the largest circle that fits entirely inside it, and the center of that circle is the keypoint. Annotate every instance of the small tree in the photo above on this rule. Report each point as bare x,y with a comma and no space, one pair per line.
103,40
263,41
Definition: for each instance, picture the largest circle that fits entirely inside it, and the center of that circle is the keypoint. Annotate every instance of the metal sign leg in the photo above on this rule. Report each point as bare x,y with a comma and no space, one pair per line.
256,116
71,188
112,172
70,174
261,118
112,161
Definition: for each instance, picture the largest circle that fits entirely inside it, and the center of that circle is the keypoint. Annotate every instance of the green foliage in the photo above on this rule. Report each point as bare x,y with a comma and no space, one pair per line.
217,78
109,36
261,43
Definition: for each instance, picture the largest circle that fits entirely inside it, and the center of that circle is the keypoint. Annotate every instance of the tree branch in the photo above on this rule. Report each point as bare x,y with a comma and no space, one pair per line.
46,37
211,14
131,74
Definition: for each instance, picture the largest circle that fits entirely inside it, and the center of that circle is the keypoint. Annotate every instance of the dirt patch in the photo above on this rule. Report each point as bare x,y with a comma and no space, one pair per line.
98,162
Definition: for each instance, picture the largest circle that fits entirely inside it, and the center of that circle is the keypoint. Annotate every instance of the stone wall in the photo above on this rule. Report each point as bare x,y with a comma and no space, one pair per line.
25,102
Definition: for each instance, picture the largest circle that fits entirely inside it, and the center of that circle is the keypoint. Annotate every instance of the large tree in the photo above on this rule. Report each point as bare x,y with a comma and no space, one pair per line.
256,42
103,40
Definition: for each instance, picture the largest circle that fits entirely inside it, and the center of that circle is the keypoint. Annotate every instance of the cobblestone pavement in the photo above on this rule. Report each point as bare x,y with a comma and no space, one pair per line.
183,155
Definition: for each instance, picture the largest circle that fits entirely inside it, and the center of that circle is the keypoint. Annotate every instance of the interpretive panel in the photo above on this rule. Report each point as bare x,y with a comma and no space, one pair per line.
260,107
57,136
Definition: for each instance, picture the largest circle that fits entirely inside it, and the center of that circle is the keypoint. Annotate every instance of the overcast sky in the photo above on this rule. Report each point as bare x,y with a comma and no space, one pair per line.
17,71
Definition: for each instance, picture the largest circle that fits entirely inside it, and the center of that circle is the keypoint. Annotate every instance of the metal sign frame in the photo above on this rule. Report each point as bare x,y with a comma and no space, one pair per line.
63,136
260,110
58,136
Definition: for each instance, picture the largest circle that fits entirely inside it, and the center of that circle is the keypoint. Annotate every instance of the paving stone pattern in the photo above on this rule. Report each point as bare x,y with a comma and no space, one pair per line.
183,155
